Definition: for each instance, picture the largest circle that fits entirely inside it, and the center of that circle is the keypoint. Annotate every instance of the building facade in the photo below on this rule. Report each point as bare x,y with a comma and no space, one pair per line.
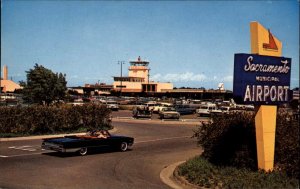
138,79
6,84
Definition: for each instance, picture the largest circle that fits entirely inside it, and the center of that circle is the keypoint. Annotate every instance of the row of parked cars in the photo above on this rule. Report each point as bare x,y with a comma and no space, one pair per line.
164,113
144,108
173,111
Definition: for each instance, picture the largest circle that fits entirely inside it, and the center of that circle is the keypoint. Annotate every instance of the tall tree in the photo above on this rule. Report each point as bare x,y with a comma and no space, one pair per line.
43,86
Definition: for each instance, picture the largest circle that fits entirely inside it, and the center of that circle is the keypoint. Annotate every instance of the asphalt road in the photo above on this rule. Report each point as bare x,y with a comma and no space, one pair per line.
24,165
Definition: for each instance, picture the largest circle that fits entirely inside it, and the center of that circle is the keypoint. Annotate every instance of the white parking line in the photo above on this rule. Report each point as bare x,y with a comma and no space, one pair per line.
25,148
18,155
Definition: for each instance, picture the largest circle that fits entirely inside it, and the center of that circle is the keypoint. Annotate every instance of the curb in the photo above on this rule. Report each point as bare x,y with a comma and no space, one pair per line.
170,177
43,136
167,173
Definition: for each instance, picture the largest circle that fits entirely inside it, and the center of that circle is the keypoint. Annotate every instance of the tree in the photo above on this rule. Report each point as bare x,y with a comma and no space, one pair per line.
43,86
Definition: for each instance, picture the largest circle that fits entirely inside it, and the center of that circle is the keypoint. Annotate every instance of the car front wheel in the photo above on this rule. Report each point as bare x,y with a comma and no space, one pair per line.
83,151
123,146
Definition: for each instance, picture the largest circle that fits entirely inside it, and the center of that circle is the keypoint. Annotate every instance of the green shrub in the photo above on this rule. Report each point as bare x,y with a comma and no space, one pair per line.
287,150
52,119
230,141
201,172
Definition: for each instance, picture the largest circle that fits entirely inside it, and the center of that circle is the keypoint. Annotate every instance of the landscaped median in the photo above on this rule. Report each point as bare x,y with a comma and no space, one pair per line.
200,172
42,120
229,159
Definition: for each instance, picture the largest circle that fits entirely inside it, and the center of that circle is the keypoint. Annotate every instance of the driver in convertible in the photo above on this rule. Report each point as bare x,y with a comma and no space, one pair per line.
102,134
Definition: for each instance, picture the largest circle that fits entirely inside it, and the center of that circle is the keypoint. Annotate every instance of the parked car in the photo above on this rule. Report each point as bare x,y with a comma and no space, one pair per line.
113,105
150,105
184,109
169,113
206,109
141,112
225,109
83,143
161,105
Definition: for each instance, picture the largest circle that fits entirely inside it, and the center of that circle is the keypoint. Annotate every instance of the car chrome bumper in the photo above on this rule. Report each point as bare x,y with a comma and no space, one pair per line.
58,148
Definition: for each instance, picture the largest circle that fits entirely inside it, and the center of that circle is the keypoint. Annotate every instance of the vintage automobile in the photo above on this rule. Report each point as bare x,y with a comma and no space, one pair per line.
83,143
184,109
141,112
113,105
169,113
205,110
158,108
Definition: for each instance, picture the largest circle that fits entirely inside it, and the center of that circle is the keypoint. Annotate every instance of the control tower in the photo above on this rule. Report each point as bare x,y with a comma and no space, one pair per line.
139,68
138,79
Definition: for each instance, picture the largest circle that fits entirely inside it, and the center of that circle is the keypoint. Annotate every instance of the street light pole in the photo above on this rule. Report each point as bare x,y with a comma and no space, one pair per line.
121,63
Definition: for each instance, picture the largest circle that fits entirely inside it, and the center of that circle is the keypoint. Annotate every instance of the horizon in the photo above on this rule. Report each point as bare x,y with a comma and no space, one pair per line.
188,43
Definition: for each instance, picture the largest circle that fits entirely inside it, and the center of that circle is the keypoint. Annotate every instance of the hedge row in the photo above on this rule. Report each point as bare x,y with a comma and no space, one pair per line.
230,141
34,120
202,173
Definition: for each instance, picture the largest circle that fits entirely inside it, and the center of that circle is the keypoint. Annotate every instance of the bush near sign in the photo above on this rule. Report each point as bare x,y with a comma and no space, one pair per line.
261,79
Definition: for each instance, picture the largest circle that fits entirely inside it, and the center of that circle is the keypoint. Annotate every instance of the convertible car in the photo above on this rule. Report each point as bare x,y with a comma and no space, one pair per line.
82,143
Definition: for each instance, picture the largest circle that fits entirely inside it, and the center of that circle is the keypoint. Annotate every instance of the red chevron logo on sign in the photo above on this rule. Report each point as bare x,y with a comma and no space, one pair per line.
272,44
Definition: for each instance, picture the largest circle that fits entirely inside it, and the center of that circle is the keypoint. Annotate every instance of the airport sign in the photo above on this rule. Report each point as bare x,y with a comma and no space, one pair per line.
261,79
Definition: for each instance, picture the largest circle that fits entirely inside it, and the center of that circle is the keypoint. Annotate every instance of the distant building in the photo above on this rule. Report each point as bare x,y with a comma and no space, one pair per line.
92,89
138,79
6,84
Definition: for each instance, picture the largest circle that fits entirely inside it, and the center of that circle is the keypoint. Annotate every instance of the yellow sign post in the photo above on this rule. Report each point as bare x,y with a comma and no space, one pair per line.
264,43
265,127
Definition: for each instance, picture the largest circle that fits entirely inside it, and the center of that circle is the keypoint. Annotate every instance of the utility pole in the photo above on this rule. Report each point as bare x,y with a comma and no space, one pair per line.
121,63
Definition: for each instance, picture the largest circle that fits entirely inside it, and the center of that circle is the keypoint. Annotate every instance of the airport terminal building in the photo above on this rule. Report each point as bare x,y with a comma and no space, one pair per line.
138,79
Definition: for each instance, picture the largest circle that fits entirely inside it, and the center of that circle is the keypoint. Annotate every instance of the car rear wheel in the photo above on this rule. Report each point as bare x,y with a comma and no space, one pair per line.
83,151
123,146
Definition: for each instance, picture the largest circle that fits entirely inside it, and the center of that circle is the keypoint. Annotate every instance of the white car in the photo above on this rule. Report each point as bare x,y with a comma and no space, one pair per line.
169,113
113,105
205,110
150,105
158,108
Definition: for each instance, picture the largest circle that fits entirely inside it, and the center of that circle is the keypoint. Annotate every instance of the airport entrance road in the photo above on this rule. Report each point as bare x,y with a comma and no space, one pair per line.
25,165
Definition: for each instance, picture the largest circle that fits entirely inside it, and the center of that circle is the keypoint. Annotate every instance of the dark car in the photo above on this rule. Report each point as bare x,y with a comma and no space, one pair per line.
141,112
82,143
185,109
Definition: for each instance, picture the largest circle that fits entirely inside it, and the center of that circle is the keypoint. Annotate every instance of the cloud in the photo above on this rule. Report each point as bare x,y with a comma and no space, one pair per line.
190,77
228,78
179,77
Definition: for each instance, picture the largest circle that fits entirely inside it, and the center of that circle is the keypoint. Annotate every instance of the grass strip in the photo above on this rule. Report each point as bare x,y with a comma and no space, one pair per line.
202,173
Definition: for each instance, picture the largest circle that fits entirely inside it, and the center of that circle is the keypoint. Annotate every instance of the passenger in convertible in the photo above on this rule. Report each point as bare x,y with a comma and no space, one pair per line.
102,134
98,134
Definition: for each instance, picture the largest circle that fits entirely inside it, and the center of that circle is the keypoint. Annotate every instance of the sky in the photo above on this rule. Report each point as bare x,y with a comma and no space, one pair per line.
188,43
